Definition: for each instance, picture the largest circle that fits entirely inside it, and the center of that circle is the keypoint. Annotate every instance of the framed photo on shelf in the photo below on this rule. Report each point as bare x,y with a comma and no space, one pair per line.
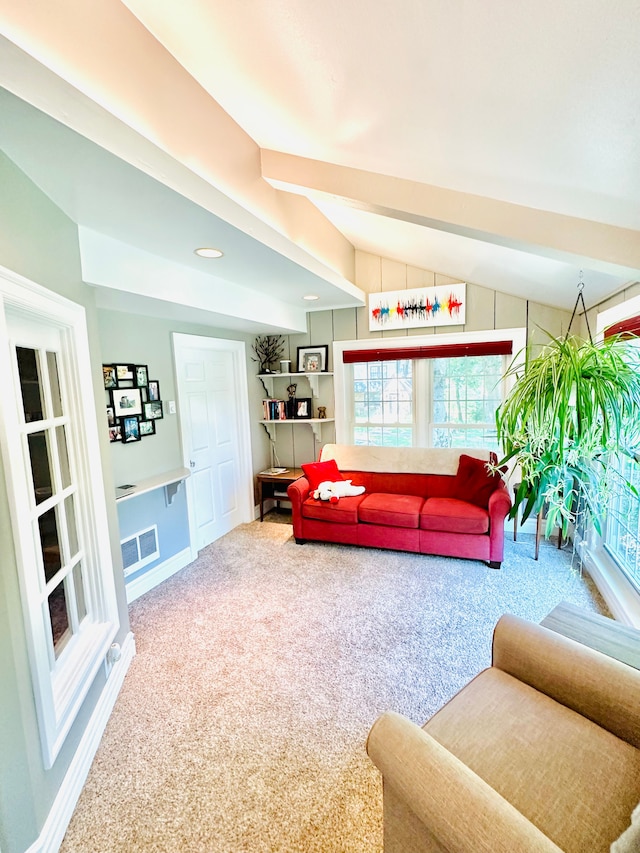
153,390
141,375
153,410
109,376
126,401
313,359
303,407
130,429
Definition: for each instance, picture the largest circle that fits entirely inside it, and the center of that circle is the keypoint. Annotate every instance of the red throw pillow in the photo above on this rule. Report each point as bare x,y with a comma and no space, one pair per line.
321,472
474,483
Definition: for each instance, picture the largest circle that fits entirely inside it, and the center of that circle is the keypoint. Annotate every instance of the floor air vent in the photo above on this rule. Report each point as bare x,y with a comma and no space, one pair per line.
139,549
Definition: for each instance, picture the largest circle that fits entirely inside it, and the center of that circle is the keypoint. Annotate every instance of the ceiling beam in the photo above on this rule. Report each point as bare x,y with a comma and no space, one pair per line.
606,247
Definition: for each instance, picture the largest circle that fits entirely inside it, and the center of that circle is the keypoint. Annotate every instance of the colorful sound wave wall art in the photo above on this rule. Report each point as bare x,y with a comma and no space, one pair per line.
443,305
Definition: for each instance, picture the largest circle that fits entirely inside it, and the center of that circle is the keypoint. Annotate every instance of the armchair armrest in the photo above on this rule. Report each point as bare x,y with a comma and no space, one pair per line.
498,508
594,685
460,810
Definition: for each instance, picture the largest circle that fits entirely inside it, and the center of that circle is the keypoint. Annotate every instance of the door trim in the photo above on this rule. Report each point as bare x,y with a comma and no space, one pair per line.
245,467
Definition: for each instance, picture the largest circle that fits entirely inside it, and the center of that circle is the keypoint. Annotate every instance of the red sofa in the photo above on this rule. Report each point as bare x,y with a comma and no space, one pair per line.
426,500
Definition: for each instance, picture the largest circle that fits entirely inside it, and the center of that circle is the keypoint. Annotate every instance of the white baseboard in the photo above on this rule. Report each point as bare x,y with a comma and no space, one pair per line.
138,586
56,824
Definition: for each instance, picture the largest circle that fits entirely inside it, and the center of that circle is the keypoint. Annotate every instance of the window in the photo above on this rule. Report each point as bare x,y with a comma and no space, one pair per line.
52,459
614,560
465,393
420,400
623,515
622,535
45,430
383,403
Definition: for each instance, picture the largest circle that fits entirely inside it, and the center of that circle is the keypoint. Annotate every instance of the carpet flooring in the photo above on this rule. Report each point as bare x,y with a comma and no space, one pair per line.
260,668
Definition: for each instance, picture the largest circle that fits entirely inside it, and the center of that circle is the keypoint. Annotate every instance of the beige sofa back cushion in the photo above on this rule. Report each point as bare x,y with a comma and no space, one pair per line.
399,460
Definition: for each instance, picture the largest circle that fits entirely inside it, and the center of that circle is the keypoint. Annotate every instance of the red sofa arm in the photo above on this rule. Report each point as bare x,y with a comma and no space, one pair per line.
499,506
298,492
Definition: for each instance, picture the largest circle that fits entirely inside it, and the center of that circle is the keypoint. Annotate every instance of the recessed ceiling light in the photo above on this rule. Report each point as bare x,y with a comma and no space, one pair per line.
206,252
310,297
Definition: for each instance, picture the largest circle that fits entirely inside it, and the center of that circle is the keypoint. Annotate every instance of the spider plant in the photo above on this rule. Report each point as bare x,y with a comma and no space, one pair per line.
572,410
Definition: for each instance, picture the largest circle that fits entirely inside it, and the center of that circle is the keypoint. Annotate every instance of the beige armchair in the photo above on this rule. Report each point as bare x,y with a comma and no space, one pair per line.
540,753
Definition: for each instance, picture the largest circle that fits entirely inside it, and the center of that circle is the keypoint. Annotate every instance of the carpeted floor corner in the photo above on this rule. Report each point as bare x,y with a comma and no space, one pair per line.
260,668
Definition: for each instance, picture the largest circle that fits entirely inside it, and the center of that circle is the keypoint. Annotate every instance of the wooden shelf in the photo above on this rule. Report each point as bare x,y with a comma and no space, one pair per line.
314,423
170,481
314,379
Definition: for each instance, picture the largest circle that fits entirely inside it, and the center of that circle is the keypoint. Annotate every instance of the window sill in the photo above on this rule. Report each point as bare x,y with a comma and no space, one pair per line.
621,597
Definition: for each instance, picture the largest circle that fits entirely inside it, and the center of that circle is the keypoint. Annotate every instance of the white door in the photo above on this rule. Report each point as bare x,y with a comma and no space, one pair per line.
214,419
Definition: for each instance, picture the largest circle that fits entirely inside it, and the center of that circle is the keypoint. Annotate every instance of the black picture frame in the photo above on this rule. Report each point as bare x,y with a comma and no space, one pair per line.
130,429
109,376
115,433
141,375
313,359
147,428
153,410
111,417
153,390
303,408
126,401
124,375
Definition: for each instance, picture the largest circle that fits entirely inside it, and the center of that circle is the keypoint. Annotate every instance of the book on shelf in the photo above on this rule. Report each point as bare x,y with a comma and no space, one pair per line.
274,410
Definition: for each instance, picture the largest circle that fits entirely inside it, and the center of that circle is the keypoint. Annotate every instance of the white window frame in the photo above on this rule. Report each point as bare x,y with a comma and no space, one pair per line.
60,687
341,372
621,596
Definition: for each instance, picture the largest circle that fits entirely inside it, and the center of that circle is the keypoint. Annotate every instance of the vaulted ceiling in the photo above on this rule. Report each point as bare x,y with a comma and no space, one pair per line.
495,143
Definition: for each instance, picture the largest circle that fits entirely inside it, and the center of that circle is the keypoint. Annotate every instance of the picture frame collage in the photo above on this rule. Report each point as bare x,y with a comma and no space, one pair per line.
133,402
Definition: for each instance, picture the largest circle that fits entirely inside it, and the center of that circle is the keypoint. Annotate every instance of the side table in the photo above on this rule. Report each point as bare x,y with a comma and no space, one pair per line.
598,632
275,486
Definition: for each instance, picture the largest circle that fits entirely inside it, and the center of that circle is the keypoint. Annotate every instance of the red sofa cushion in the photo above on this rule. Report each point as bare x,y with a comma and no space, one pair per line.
391,510
321,472
473,482
451,515
343,512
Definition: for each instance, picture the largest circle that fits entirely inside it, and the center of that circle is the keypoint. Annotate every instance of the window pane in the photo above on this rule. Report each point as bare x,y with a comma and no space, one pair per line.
375,413
50,543
623,521
72,530
30,384
54,384
382,394
40,466
405,437
78,585
63,456
405,413
361,435
59,616
390,413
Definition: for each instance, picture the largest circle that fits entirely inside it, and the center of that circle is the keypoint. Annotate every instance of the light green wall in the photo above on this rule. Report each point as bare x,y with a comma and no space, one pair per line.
39,242
147,340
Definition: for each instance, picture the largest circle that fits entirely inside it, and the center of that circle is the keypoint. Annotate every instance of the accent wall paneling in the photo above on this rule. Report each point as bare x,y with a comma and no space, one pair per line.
290,445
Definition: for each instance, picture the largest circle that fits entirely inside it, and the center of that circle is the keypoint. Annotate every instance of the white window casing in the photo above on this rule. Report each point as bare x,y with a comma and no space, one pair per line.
61,681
